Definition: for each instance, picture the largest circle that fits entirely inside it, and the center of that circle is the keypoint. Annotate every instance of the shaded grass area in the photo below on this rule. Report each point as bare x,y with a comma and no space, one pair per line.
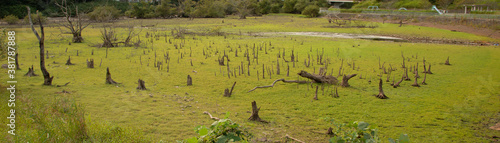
459,103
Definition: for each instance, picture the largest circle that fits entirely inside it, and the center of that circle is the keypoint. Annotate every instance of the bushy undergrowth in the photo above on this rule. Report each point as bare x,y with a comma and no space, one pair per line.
222,131
11,19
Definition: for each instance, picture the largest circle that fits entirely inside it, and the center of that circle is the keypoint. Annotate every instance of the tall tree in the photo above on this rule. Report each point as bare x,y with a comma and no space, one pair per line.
41,39
77,25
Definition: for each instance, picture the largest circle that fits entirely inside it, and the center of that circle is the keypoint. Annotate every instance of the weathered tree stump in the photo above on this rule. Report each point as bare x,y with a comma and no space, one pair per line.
30,72
255,113
423,81
381,94
68,62
447,62
399,82
319,78
345,80
141,85
17,61
316,95
415,84
227,92
108,78
429,70
329,131
406,77
336,95
189,81
90,63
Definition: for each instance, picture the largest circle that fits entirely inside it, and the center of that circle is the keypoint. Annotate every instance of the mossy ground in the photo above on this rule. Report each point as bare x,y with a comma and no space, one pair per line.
459,103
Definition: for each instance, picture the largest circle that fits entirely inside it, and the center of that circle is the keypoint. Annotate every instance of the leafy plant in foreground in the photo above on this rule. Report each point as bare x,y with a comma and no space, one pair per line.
222,131
355,132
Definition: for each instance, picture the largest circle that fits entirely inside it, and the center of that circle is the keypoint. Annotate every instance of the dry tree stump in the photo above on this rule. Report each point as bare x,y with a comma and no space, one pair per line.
447,62
17,61
345,80
415,84
30,72
68,62
90,63
108,78
227,92
316,94
429,70
141,85
381,94
399,82
255,113
189,80
423,81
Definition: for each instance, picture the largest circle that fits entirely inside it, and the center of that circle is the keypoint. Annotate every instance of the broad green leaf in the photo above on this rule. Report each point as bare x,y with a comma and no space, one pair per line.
403,138
222,139
192,140
202,131
233,137
391,140
363,125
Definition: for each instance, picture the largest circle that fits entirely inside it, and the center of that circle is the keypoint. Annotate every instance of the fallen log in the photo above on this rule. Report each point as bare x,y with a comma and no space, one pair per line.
319,78
283,80
211,117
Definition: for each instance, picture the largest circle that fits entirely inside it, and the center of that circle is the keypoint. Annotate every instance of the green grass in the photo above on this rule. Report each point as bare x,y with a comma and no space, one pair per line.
459,104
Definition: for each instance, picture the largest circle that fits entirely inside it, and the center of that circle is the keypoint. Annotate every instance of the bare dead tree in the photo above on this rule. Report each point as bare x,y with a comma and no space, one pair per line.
30,72
141,85
41,38
255,113
319,78
316,94
75,25
423,81
345,80
447,62
189,80
17,61
227,92
108,78
68,62
381,94
90,63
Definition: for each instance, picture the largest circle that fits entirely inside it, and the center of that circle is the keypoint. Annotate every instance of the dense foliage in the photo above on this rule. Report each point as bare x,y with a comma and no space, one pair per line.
222,131
11,19
104,13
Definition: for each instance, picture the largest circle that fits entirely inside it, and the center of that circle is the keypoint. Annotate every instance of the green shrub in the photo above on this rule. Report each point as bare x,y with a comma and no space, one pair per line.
223,131
34,18
311,11
104,13
11,19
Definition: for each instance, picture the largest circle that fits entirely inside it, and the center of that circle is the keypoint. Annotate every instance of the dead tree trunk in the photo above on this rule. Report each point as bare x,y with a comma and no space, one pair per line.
399,82
447,62
429,70
75,26
415,84
227,92
41,38
17,61
336,95
90,63
141,85
31,72
319,78
381,94
406,75
108,78
423,81
68,62
345,80
255,113
189,81
316,95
